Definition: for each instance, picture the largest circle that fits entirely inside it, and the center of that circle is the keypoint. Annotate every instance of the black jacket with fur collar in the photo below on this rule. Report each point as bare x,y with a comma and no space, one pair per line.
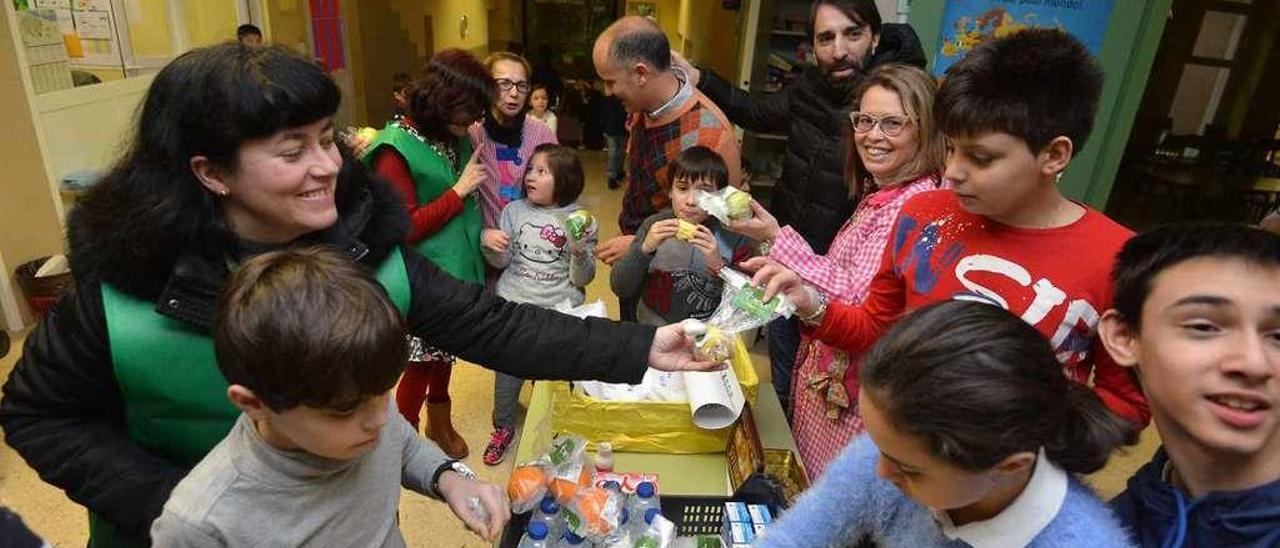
63,410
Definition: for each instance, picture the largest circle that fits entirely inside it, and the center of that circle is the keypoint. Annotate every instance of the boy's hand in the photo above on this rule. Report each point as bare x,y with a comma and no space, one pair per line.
495,240
459,492
658,233
703,240
777,279
612,250
762,226
672,350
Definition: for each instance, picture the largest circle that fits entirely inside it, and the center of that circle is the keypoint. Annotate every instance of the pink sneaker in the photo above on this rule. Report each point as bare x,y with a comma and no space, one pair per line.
499,441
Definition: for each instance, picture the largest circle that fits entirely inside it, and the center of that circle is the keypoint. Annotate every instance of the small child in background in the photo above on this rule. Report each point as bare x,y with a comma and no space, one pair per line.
974,437
540,106
678,270
543,261
311,346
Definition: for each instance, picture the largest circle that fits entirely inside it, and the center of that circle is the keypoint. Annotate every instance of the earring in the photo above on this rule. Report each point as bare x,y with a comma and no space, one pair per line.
224,192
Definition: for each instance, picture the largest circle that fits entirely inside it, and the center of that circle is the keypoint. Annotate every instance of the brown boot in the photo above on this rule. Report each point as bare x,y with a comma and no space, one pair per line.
440,430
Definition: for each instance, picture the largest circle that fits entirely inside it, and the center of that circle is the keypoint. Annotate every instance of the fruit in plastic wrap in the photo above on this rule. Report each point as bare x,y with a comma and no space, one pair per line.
579,223
738,204
714,346
564,489
593,513
686,230
710,343
527,486
367,134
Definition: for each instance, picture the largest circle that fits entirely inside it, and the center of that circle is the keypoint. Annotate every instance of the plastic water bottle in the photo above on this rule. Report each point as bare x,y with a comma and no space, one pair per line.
535,536
645,499
571,540
638,527
548,512
621,537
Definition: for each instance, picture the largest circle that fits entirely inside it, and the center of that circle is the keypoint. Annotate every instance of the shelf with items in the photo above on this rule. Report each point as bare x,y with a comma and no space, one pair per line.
783,50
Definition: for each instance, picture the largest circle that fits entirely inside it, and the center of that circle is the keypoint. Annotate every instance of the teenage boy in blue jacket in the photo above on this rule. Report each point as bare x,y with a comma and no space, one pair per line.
1197,314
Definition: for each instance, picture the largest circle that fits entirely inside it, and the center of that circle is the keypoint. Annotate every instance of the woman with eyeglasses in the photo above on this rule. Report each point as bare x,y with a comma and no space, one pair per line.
900,154
507,135
427,155
506,140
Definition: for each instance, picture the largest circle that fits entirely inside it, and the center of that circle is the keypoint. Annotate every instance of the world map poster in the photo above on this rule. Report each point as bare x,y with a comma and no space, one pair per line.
967,23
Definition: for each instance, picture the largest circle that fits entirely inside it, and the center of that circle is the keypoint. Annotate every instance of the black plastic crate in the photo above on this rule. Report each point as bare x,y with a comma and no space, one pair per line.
691,515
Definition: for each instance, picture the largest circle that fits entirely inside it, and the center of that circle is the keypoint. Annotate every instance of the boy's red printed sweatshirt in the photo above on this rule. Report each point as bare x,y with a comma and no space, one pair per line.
1056,279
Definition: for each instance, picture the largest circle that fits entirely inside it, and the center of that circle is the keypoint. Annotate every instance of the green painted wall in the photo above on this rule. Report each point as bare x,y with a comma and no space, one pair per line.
1127,53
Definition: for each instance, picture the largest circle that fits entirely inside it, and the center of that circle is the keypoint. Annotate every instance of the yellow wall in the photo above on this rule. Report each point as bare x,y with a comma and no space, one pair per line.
412,14
210,22
150,37
445,17
709,35
668,18
286,24
380,48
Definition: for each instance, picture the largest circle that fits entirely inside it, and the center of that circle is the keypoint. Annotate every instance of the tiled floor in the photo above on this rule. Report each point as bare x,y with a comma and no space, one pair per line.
425,523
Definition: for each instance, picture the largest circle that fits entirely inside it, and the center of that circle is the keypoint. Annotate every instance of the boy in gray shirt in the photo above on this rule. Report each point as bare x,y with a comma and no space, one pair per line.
311,346
678,278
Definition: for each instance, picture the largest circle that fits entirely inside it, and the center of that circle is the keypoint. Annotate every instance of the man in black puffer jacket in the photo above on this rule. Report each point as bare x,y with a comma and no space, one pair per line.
812,195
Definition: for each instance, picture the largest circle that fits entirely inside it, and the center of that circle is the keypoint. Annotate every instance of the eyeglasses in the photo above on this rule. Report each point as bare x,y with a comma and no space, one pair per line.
891,125
505,85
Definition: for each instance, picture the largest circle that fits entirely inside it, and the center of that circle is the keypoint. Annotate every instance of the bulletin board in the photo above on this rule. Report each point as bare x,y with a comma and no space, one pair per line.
88,29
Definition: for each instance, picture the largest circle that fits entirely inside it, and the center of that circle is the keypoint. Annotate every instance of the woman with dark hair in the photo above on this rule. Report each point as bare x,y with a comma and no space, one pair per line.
974,438
117,393
427,156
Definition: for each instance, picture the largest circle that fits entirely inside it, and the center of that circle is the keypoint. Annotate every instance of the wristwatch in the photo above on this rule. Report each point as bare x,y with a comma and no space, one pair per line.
820,311
454,465
764,247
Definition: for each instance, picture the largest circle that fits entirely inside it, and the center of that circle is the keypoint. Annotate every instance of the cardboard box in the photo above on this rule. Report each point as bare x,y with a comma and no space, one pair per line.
647,427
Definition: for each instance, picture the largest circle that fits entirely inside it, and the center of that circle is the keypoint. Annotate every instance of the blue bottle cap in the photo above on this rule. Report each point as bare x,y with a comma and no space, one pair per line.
573,539
537,530
650,514
549,505
613,486
645,490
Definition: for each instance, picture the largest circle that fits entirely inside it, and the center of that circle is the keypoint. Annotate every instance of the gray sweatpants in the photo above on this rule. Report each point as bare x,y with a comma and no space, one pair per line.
506,397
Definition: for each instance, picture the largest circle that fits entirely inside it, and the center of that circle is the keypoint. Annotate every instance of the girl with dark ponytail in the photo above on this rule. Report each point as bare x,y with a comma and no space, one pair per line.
973,434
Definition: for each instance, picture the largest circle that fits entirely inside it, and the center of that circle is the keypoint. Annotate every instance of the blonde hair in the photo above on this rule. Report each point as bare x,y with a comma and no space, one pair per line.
494,57
916,90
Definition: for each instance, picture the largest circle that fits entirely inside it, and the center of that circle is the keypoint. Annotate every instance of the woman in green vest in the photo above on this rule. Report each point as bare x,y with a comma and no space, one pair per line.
117,393
427,156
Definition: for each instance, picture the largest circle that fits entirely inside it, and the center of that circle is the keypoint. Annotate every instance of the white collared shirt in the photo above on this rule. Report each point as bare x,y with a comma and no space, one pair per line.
682,94
1018,524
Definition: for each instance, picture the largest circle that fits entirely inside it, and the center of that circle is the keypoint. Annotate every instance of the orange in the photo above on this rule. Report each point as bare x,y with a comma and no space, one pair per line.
527,485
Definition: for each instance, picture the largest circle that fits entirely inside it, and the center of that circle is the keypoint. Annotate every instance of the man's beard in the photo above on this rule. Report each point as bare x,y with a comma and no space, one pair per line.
845,84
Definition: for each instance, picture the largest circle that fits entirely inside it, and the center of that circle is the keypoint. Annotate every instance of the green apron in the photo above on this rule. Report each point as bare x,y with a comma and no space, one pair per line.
175,397
455,247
